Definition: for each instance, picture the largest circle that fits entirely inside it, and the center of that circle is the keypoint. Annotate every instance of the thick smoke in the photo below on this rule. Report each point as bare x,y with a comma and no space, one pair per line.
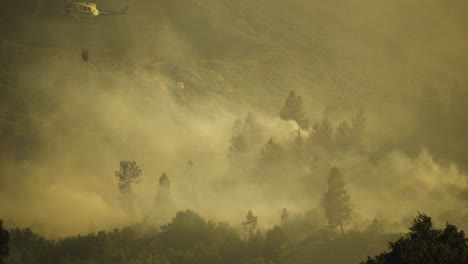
166,84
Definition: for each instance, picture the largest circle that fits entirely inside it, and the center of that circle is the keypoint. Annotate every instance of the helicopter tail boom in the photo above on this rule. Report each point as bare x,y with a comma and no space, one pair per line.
114,13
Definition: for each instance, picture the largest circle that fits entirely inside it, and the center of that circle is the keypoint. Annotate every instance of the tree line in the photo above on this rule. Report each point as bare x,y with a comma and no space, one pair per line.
189,238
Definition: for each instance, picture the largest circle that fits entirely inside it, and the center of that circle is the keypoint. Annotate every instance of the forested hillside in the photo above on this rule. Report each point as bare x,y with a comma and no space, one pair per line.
323,125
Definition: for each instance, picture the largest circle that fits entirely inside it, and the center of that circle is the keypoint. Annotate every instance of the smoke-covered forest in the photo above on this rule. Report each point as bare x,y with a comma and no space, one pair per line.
234,131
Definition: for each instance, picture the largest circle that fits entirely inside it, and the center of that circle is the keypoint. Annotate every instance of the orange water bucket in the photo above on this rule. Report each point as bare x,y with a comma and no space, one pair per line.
85,55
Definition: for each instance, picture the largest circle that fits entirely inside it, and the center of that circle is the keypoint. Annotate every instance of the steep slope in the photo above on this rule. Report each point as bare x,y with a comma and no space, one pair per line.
339,55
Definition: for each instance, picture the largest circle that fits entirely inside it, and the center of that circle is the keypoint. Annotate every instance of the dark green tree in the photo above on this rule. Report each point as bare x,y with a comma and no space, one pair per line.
27,247
4,239
191,239
186,230
293,109
275,245
128,174
336,200
426,245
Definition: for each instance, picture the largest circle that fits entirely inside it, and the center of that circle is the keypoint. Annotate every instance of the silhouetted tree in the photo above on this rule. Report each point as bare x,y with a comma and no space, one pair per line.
4,239
251,127
186,230
191,239
275,243
163,191
164,180
426,245
336,200
238,142
128,174
244,134
298,140
188,238
322,134
293,110
271,153
358,126
343,135
189,171
375,227
299,148
254,246
29,247
284,216
163,204
250,224
190,186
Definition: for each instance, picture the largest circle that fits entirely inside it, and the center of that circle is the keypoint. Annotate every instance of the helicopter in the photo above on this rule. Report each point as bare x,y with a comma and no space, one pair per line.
86,10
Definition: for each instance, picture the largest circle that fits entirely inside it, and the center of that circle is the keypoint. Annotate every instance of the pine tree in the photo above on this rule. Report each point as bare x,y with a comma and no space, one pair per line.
322,135
244,135
293,110
284,216
250,224
298,140
424,244
275,244
272,152
343,135
251,126
163,192
358,126
163,201
336,200
128,174
190,176
238,142
376,226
